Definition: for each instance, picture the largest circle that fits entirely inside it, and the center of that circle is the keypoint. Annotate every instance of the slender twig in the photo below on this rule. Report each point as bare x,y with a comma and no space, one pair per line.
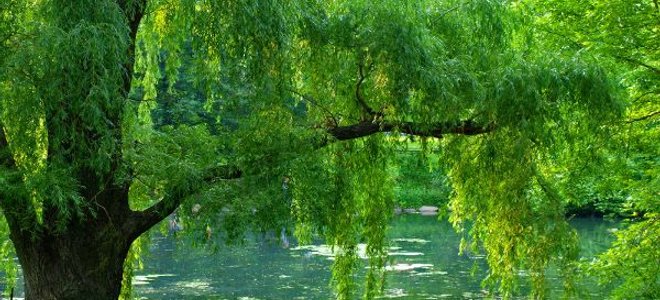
164,7
140,100
644,95
639,63
575,43
446,12
311,100
106,213
358,94
642,118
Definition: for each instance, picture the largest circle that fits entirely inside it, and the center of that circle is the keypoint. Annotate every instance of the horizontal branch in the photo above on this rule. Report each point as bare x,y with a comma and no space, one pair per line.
141,221
436,130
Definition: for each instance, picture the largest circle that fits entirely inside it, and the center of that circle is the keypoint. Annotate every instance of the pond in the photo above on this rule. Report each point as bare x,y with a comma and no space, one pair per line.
424,264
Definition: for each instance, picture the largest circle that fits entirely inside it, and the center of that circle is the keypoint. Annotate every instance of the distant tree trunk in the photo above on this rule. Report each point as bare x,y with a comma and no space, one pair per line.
86,262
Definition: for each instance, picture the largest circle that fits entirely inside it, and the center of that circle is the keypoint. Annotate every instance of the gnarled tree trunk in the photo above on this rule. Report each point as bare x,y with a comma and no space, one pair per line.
84,258
85,263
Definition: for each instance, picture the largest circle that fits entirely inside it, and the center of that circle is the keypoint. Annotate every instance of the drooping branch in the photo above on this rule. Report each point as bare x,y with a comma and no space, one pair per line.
18,210
576,44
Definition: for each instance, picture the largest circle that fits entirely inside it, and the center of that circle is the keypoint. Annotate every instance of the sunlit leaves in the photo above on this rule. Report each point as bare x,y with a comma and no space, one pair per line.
7,265
420,61
75,86
622,35
282,74
632,261
348,203
133,262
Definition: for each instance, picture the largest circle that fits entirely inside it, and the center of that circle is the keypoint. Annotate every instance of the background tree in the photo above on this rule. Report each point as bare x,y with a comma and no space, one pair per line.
317,84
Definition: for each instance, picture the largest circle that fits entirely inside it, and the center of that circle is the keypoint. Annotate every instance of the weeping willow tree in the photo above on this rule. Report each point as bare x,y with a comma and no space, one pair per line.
322,91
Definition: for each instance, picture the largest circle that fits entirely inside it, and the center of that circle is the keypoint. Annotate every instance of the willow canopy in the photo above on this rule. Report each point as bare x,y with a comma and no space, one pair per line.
318,92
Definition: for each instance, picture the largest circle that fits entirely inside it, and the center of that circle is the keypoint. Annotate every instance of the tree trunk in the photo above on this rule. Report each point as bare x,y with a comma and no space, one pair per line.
85,262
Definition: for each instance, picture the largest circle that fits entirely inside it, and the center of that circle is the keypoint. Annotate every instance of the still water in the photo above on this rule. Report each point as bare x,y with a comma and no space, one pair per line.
424,264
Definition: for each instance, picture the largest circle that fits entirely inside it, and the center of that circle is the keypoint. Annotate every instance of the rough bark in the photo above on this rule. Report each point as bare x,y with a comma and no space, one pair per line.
84,260
85,263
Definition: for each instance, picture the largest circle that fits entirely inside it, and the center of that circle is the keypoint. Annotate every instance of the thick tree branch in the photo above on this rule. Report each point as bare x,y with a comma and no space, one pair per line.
113,197
436,130
6,159
141,221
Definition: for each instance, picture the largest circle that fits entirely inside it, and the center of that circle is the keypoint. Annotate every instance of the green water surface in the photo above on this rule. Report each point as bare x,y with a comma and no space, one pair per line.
424,264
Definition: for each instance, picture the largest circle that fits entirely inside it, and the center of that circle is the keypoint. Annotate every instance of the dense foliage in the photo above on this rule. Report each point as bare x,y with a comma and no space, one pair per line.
624,36
266,115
